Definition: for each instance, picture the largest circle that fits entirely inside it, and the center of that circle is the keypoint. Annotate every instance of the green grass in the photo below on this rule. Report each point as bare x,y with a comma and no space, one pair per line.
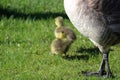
26,32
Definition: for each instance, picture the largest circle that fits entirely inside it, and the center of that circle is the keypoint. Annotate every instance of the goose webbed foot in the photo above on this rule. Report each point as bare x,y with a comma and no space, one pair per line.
98,74
104,69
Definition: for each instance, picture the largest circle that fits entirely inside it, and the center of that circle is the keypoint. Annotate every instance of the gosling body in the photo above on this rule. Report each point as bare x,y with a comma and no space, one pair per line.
60,44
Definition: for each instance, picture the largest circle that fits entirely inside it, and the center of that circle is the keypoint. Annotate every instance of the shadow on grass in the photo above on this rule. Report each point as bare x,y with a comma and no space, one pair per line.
42,15
83,53
79,57
91,51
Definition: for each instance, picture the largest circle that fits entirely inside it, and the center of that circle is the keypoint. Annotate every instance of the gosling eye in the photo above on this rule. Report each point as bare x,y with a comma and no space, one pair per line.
62,31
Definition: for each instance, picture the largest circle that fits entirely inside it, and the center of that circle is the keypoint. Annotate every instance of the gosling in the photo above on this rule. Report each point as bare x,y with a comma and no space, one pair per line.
60,44
60,27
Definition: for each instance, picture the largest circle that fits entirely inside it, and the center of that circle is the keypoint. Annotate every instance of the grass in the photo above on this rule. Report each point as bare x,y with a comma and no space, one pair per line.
26,32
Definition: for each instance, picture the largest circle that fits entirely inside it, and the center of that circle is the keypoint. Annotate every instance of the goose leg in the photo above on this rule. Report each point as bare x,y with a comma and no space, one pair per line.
101,72
108,71
105,64
102,67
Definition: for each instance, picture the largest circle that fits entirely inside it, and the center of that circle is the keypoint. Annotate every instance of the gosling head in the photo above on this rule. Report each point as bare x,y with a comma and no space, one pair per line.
59,21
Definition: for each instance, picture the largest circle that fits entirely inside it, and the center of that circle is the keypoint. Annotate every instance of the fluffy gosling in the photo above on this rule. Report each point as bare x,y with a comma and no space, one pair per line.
60,27
61,44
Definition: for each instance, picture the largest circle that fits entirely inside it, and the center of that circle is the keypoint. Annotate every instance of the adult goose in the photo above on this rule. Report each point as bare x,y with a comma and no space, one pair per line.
98,20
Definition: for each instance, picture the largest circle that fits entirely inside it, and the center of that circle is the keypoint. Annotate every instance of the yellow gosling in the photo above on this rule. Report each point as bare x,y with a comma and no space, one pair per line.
60,45
61,28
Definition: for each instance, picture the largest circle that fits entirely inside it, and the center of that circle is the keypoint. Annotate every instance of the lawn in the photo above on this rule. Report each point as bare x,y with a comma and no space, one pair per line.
26,32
